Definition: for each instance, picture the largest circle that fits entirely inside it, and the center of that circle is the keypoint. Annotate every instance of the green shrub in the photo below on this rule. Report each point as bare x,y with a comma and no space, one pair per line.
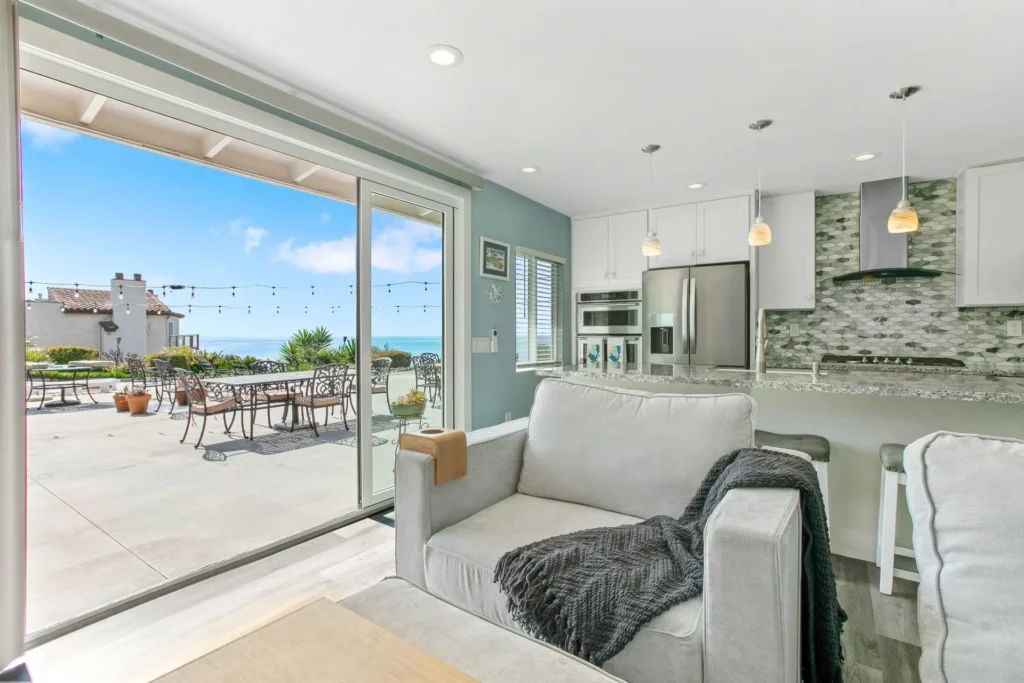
62,355
179,356
399,359
35,356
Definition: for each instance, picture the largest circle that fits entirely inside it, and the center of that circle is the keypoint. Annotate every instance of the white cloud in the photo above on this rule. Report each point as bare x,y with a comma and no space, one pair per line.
254,237
42,136
325,217
411,248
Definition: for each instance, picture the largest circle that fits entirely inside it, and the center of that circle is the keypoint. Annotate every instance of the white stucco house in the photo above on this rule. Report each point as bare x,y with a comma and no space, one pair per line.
127,313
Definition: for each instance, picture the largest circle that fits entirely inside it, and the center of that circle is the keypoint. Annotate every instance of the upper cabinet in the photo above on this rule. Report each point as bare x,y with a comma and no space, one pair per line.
989,239
706,232
785,268
606,251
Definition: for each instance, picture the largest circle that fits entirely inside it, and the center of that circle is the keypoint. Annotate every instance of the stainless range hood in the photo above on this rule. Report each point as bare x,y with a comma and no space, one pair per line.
883,255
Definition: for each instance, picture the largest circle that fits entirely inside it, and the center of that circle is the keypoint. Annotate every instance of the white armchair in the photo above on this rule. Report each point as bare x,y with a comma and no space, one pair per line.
592,456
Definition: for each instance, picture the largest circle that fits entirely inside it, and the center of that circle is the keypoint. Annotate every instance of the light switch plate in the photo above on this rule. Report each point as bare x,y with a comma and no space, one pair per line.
481,344
1014,328
794,329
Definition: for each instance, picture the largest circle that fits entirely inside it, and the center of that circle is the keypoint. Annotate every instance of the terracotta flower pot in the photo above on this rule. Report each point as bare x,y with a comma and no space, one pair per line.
408,410
182,398
138,404
121,403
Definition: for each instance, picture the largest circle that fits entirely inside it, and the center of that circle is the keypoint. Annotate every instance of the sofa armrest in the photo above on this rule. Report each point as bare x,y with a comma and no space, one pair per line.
494,461
752,578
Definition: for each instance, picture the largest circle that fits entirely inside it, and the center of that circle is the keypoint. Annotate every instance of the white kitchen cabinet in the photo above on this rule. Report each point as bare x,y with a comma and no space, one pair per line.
989,238
606,251
626,233
785,268
590,266
677,230
722,227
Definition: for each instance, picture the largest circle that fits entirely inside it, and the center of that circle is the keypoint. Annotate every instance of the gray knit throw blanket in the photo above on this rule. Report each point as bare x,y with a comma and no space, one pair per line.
589,592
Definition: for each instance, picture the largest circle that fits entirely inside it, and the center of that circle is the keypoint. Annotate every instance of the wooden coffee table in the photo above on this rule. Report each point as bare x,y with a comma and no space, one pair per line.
323,642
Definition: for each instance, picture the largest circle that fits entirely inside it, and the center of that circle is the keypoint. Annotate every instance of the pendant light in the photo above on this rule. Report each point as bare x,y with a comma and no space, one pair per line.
652,245
760,232
903,218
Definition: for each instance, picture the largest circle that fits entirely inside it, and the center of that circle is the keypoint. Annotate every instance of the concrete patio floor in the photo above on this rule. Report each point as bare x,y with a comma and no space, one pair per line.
117,505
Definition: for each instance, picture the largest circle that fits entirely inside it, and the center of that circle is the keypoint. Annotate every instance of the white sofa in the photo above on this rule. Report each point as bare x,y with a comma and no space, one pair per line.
594,456
964,494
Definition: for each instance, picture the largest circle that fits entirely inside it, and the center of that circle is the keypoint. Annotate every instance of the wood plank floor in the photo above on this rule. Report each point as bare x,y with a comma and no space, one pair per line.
880,639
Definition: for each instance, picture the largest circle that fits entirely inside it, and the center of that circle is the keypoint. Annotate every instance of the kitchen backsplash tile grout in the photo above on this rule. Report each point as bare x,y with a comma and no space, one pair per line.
906,318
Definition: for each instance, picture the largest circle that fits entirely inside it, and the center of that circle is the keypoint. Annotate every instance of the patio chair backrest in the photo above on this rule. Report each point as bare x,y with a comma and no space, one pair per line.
330,381
190,384
163,367
380,368
425,366
136,367
208,369
266,367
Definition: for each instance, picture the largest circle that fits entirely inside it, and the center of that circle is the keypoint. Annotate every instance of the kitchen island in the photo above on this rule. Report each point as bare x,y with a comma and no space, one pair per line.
856,410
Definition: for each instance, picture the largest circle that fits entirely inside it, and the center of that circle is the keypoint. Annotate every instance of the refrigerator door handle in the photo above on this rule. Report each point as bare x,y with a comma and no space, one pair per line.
693,315
683,326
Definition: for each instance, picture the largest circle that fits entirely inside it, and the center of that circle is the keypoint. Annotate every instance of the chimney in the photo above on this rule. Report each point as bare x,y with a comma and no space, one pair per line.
138,276
118,276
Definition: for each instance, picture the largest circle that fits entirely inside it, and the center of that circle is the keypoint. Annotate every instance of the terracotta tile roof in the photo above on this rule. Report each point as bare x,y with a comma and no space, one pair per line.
99,299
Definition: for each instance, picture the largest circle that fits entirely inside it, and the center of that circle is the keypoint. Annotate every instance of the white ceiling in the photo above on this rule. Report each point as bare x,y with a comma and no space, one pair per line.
575,87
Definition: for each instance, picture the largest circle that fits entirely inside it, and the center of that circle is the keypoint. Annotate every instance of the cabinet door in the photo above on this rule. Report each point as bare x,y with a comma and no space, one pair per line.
590,264
993,242
722,227
785,268
627,232
677,230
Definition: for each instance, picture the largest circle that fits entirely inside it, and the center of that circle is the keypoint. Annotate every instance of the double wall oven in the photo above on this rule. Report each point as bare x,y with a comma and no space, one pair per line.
609,326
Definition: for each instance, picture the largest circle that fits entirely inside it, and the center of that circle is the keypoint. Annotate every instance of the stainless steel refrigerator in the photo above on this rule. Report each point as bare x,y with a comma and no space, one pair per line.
698,315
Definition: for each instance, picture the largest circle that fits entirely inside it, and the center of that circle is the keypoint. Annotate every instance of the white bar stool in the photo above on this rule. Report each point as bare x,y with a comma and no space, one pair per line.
893,475
817,447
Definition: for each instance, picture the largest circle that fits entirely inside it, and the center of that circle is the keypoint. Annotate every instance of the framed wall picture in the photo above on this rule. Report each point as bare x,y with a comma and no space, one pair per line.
494,259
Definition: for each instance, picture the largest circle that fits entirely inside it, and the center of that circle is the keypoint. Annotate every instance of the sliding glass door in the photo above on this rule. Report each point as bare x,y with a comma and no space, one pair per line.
405,327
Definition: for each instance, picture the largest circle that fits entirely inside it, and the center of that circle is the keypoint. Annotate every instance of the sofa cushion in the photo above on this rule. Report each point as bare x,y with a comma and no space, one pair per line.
964,497
628,451
460,560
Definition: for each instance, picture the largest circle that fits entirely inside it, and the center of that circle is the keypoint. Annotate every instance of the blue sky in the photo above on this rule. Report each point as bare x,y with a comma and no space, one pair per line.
94,207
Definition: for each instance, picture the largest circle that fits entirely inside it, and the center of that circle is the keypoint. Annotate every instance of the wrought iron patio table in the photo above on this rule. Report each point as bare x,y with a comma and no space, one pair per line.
247,386
38,381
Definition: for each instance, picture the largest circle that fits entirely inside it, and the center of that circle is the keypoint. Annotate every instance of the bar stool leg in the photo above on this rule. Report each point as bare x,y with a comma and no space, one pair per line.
881,519
889,495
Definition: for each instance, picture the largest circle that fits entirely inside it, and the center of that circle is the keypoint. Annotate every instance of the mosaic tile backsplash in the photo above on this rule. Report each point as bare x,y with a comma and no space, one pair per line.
912,318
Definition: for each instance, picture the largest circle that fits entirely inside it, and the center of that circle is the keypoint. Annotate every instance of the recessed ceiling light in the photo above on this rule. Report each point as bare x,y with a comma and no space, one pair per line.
445,55
866,156
529,169
695,186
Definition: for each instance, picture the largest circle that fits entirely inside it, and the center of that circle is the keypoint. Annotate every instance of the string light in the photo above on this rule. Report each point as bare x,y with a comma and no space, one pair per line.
250,310
232,292
76,290
120,291
29,286
62,309
190,309
278,309
128,309
312,290
193,292
389,289
28,305
95,310
273,291
164,290
218,310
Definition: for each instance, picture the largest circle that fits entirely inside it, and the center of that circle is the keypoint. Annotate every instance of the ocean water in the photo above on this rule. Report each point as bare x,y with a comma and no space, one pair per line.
269,347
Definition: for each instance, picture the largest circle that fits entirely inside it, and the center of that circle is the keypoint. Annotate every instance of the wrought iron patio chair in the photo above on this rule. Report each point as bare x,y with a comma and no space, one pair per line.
331,386
140,374
380,373
269,395
427,367
206,400
164,382
208,369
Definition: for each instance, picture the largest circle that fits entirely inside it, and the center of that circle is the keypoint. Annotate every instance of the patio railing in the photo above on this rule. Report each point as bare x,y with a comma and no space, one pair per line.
190,341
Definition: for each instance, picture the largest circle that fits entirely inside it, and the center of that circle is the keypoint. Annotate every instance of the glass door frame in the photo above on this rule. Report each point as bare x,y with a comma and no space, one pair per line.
364,330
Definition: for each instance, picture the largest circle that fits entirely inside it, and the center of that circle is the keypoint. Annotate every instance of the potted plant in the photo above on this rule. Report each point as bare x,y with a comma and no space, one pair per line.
121,401
410,406
138,401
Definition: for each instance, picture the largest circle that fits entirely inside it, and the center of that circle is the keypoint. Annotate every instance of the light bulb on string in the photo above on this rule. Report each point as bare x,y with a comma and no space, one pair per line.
273,291
424,286
278,310
398,309
389,289
232,292
250,310
193,292
190,309
307,309
120,291
128,309
62,309
218,310
29,286
95,310
164,288
76,290
424,309
312,290
28,306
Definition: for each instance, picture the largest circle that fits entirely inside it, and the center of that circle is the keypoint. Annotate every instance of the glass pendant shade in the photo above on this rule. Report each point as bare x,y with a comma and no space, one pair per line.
651,246
760,233
903,218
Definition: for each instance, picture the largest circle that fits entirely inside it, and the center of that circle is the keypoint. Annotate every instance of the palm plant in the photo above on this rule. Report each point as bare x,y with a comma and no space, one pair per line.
308,347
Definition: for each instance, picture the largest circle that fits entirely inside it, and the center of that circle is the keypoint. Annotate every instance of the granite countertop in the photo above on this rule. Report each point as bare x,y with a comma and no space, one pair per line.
957,387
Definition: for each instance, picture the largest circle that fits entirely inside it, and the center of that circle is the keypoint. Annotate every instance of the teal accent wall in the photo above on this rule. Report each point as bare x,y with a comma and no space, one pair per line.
501,214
